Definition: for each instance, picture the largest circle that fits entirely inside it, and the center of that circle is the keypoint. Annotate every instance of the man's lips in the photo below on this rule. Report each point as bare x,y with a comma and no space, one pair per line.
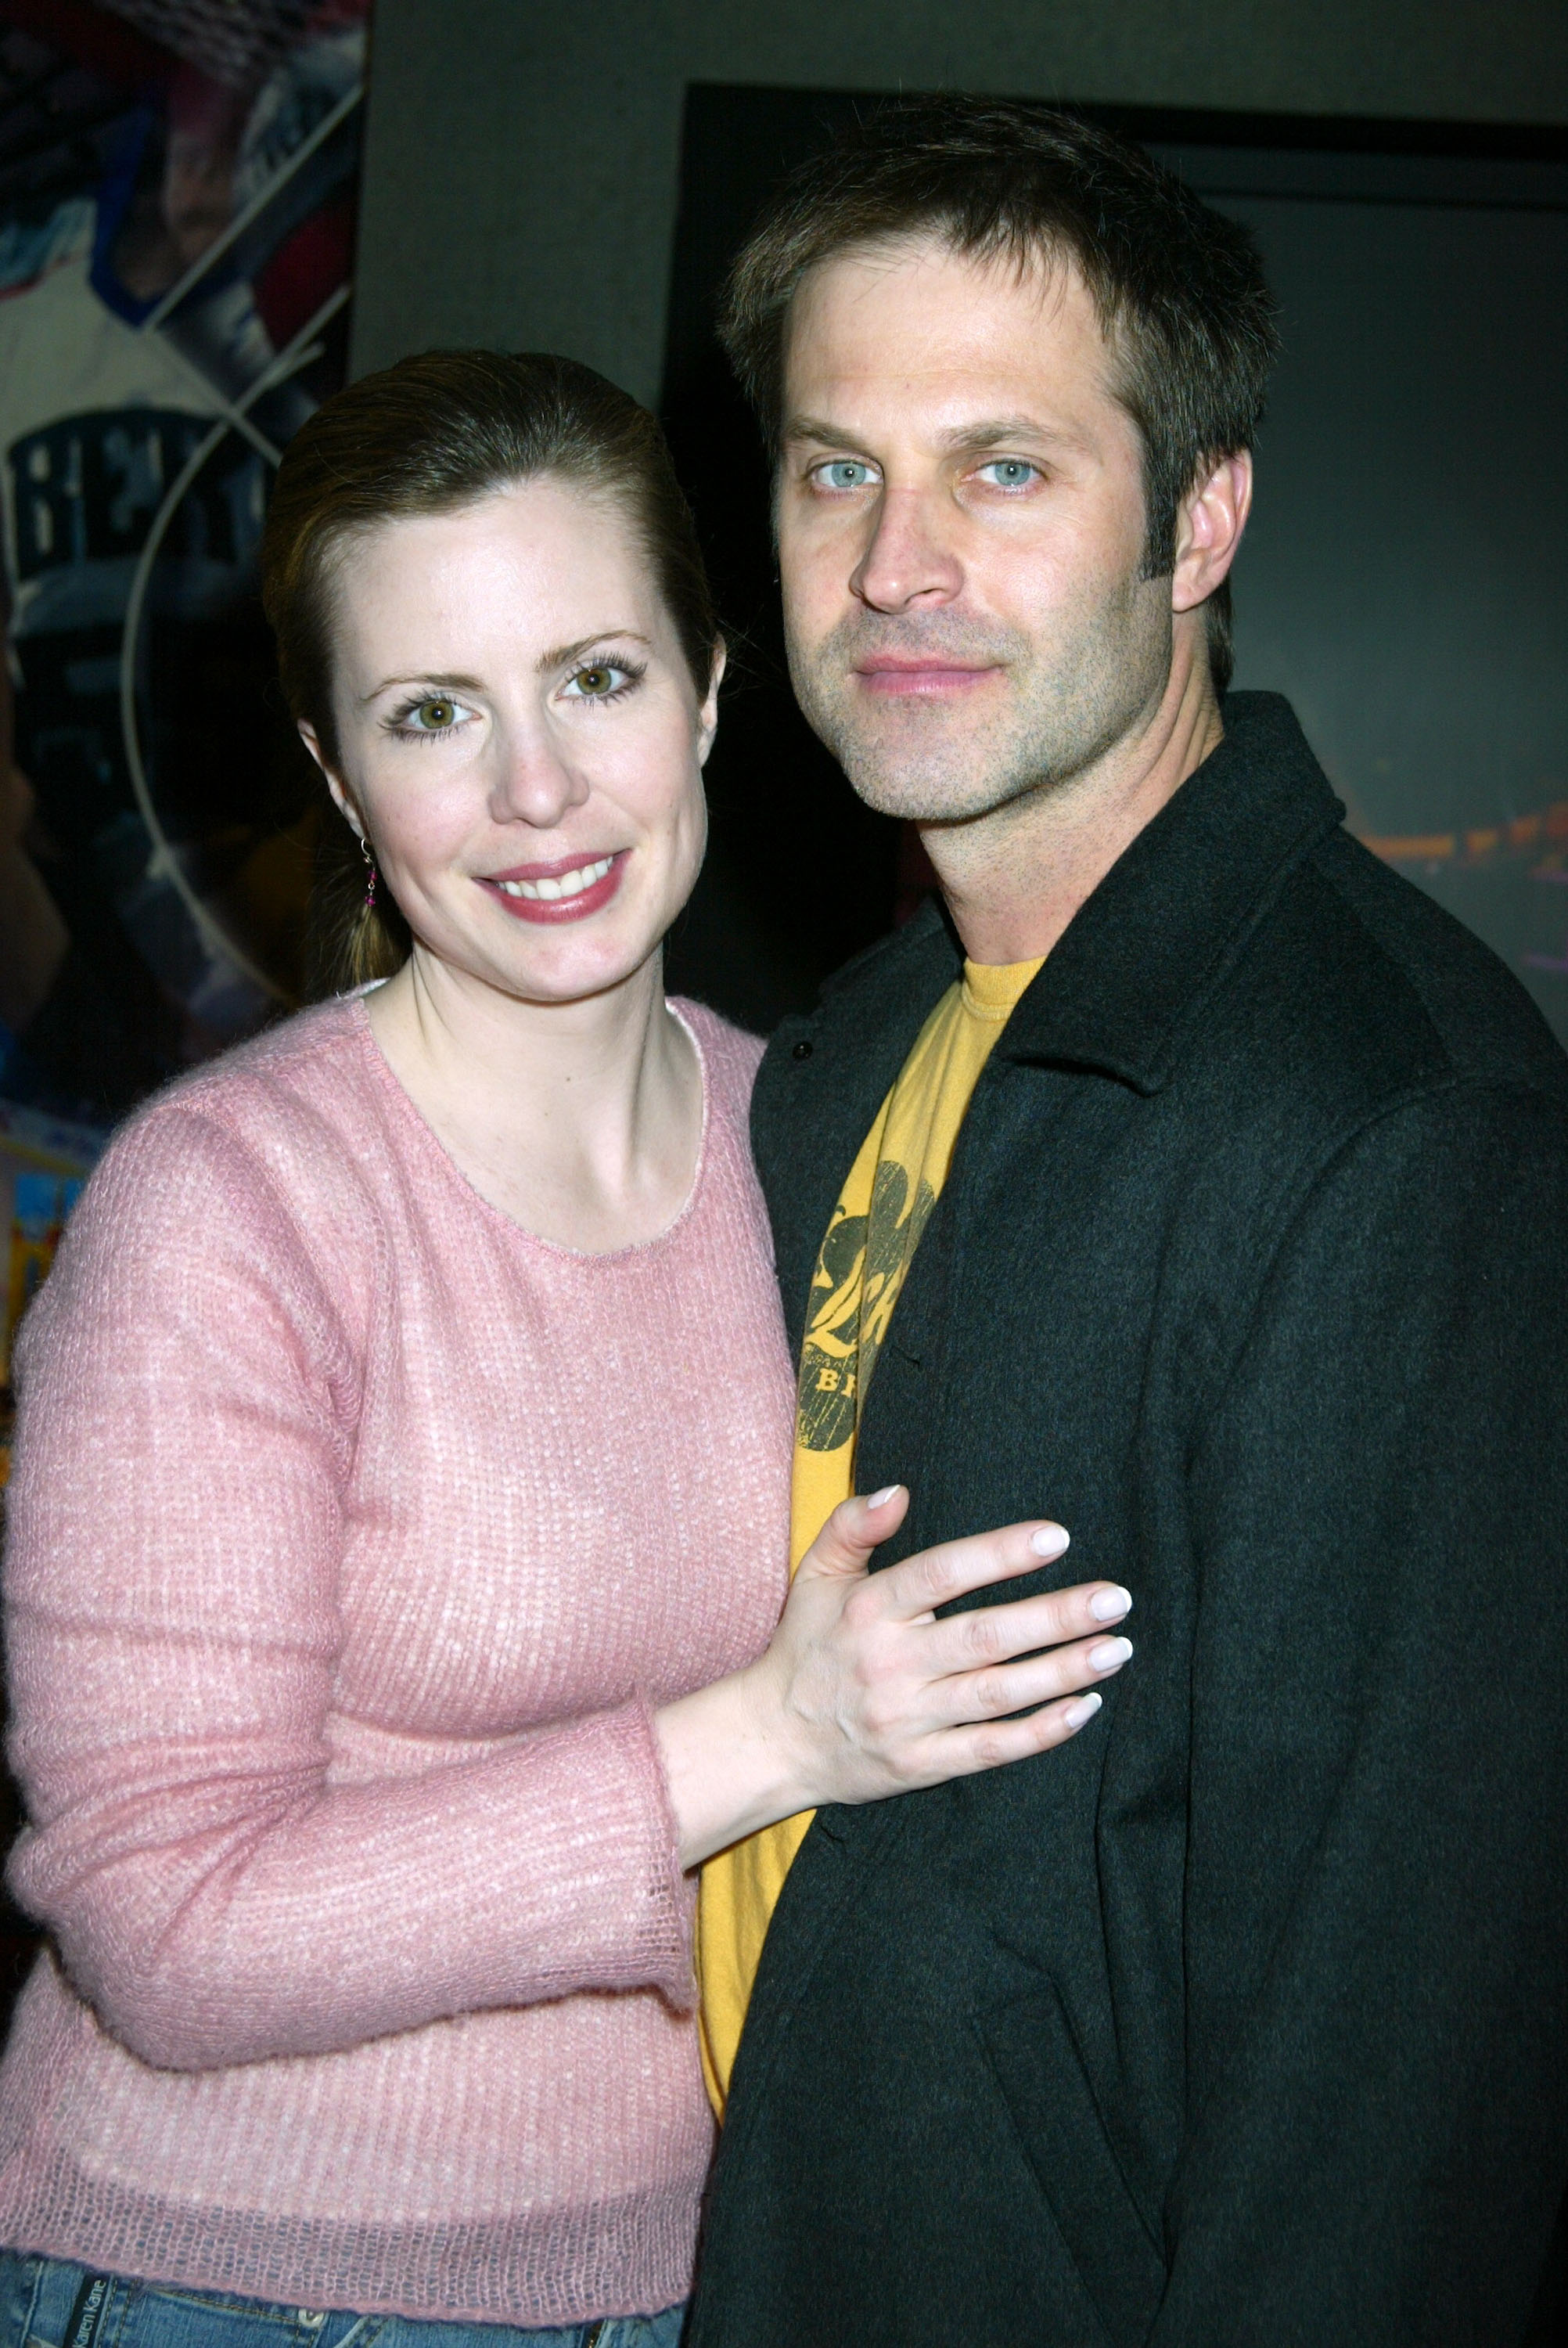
886,673
567,889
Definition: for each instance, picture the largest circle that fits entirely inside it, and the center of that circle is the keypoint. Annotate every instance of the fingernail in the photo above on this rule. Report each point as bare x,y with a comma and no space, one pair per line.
1084,1709
1109,1605
880,1499
1110,1654
1049,1542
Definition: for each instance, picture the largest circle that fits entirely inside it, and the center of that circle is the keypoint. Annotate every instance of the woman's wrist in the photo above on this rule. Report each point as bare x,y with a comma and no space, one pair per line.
729,1765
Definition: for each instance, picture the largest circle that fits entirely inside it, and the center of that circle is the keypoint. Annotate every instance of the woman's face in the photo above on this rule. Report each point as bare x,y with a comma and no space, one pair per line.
519,737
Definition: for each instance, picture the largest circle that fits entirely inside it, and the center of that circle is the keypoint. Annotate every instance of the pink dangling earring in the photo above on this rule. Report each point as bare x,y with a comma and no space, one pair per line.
369,892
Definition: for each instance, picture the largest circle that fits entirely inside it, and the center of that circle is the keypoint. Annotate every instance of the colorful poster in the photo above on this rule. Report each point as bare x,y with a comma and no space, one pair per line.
177,192
44,1162
178,181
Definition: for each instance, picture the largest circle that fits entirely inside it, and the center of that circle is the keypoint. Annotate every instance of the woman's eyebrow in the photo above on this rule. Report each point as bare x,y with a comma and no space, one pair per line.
450,681
558,657
425,676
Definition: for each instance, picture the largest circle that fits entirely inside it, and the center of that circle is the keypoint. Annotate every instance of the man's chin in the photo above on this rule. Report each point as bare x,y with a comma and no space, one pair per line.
918,792
927,761
918,772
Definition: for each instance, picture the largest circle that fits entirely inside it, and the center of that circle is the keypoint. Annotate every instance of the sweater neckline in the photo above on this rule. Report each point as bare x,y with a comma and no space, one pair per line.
430,1141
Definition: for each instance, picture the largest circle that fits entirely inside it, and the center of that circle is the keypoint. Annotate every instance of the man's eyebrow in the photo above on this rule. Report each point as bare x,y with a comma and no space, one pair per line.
996,431
825,435
963,439
425,676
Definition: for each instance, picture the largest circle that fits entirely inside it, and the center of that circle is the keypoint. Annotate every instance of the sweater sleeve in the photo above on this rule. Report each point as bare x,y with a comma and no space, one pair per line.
187,1405
1379,1824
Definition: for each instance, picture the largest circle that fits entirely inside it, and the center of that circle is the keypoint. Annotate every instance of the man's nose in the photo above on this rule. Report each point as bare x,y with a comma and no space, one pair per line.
909,563
536,783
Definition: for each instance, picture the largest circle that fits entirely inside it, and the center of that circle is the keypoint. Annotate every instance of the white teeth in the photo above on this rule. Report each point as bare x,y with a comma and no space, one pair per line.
563,884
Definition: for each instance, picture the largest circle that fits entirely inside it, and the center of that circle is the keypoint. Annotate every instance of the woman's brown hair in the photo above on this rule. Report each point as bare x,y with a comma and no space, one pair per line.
429,435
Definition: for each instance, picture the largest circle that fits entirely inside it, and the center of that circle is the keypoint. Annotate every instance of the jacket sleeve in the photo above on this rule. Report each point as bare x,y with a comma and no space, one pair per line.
187,1404
1377,2111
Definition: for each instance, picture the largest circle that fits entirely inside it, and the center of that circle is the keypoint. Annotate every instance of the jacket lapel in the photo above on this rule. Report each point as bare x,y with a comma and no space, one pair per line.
824,1077
1131,975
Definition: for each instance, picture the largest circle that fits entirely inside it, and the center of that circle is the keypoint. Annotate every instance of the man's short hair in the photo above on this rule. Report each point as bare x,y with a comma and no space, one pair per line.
1179,288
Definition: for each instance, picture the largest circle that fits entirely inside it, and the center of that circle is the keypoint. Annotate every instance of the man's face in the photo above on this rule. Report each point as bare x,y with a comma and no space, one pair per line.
961,528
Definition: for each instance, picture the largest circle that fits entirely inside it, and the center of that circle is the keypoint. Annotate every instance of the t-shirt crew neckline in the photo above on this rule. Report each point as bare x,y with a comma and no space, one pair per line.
991,989
431,1141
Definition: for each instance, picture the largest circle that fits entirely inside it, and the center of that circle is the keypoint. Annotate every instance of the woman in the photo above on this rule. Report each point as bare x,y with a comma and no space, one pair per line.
399,1509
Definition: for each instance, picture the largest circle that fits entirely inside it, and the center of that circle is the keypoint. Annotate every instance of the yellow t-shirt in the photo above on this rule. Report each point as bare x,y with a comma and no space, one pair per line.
871,1238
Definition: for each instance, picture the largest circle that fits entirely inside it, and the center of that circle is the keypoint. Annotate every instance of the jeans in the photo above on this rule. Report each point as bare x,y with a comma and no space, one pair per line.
49,2303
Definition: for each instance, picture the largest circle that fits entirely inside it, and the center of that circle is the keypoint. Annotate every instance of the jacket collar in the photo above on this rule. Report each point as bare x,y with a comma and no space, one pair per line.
1132,971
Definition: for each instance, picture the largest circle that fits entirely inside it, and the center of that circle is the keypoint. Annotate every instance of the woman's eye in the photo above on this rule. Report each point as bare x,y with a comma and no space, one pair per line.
844,473
1009,472
599,681
435,714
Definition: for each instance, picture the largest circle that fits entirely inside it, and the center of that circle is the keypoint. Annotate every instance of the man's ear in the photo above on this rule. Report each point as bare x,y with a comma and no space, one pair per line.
1209,524
708,716
341,800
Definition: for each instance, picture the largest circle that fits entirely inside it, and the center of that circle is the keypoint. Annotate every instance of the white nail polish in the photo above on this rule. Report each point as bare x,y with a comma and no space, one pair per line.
1049,1542
1084,1709
1109,1605
880,1499
1110,1654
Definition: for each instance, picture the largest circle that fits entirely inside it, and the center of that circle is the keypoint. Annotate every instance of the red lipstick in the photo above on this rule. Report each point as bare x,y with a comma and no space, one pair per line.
567,889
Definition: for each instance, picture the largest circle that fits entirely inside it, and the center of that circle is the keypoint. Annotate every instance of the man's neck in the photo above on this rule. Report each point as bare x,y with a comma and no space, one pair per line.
1014,879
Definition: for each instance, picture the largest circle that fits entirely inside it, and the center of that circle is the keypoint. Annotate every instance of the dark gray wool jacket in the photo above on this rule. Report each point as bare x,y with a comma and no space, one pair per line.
1241,2021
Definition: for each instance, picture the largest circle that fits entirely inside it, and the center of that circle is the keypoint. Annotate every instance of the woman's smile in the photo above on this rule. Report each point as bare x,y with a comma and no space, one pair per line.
569,890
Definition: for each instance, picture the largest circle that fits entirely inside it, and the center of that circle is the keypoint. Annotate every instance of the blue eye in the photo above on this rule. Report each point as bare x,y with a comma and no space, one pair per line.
844,473
1009,472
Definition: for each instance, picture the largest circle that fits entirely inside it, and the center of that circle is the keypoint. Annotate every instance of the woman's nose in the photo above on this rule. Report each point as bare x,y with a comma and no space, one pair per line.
907,562
536,784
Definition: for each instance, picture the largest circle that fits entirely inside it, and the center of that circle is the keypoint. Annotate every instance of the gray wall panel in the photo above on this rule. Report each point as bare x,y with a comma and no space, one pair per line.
520,173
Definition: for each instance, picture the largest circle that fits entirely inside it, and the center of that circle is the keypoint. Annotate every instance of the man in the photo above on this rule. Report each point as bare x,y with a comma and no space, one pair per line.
1189,1176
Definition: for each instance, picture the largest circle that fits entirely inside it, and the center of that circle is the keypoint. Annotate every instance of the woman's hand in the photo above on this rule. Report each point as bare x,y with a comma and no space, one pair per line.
862,1693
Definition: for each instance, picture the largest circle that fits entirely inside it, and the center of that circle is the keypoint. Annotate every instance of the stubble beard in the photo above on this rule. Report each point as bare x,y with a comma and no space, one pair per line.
1055,711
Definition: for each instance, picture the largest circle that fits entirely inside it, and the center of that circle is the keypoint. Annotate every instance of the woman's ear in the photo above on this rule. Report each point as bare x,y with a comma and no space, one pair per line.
341,800
708,716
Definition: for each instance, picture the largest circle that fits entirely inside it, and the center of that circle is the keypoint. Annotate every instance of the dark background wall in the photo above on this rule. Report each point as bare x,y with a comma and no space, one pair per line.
1410,195
522,163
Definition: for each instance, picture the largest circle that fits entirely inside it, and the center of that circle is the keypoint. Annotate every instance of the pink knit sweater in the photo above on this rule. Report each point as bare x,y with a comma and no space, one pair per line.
353,1533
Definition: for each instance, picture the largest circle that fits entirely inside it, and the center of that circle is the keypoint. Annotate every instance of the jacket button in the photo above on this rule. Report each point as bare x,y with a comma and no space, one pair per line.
802,1050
